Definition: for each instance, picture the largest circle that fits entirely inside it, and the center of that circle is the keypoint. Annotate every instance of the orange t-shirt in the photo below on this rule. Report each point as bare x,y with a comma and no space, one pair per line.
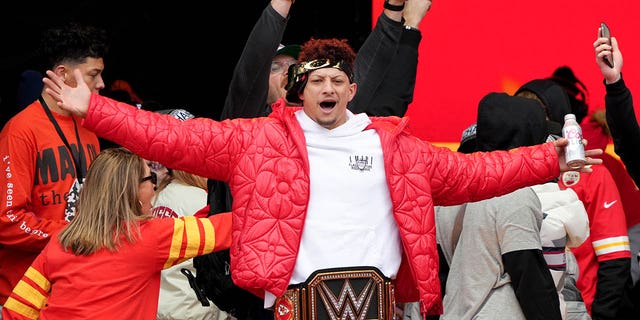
38,185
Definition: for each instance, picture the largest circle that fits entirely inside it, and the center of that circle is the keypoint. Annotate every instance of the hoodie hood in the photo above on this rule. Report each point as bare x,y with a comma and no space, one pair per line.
553,96
506,122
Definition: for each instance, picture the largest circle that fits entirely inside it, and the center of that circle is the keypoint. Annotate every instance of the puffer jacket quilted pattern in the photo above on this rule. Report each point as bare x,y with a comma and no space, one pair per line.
265,162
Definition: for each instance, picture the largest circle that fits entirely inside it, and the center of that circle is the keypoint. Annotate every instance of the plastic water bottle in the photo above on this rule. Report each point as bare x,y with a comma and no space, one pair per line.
574,151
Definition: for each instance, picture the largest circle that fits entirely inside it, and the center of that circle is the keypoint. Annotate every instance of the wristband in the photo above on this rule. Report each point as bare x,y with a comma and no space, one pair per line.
392,7
411,28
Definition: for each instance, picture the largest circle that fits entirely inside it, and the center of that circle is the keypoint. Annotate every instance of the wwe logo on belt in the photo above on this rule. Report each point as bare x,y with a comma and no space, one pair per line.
348,304
338,294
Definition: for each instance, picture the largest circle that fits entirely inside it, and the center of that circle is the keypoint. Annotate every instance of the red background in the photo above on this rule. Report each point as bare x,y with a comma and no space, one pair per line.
471,48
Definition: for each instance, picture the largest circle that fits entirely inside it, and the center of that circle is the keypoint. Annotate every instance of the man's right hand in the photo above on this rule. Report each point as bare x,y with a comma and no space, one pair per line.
602,48
414,12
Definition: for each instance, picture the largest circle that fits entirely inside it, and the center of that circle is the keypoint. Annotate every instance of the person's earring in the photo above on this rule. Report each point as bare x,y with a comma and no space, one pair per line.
140,203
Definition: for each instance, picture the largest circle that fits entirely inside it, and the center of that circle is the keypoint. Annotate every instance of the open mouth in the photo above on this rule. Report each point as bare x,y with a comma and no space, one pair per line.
327,105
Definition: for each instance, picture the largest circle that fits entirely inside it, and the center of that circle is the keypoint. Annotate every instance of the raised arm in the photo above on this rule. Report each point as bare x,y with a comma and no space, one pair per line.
621,117
249,85
386,64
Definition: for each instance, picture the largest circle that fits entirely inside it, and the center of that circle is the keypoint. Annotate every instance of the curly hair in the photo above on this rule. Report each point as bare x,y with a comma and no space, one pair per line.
73,43
334,52
332,49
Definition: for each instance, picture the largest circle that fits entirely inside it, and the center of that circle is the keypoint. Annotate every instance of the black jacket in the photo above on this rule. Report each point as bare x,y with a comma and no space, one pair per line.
624,128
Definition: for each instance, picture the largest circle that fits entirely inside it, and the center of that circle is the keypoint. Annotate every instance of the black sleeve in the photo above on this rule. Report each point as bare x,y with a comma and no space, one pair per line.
532,284
249,88
623,125
373,62
395,93
613,291
249,84
443,273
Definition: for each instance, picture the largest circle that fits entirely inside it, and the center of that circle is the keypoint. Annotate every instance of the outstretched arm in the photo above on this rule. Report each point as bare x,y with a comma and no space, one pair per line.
153,136
561,143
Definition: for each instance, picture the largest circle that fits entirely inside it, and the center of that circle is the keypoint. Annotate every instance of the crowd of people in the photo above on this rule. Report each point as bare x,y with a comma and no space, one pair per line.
310,198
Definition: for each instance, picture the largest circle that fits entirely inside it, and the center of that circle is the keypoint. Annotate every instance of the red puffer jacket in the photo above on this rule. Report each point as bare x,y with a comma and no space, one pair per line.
265,162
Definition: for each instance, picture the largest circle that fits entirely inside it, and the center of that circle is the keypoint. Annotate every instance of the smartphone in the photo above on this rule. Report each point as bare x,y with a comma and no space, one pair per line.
605,32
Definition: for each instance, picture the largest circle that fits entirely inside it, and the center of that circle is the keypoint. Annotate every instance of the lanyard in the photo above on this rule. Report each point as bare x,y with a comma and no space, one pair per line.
77,161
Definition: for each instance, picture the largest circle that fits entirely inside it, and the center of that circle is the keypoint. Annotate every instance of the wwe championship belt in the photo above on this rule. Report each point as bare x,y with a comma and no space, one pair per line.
356,293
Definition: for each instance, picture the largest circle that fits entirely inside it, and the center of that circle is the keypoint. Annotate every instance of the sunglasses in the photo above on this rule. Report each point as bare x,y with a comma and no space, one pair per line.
151,177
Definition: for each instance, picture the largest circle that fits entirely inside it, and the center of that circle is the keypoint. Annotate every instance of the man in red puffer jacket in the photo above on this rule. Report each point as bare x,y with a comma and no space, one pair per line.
319,187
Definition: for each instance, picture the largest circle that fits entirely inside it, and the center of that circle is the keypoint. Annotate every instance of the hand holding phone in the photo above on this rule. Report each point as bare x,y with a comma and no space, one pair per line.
605,32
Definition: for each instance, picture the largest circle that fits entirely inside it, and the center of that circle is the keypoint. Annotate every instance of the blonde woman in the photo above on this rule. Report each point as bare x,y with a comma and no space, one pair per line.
106,263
